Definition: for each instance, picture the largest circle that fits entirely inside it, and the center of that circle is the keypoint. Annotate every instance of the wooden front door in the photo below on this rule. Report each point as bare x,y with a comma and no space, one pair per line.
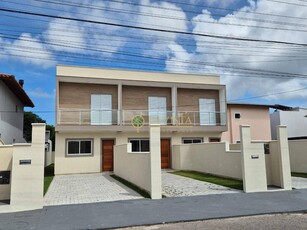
165,153
107,155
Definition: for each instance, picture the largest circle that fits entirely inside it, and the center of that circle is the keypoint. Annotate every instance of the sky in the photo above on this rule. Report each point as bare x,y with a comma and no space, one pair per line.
254,72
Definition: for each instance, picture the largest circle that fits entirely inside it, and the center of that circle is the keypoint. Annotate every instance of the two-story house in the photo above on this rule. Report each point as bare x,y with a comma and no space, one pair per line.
13,99
98,108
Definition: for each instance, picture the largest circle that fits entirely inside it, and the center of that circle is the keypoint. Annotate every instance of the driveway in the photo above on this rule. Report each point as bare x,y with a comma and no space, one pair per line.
299,182
176,186
87,188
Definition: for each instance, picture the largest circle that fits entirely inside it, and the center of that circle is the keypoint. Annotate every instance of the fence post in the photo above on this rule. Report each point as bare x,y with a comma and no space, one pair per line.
155,163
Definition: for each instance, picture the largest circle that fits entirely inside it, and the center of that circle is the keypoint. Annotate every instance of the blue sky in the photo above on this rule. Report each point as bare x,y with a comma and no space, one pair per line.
30,47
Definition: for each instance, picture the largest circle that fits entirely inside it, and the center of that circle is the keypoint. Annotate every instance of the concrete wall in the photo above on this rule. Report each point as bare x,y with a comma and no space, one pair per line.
11,123
295,121
6,154
253,163
49,154
27,180
141,169
298,155
133,167
209,158
257,117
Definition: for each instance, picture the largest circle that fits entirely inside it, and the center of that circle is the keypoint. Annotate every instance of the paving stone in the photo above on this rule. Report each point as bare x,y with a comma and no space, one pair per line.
299,182
176,186
87,188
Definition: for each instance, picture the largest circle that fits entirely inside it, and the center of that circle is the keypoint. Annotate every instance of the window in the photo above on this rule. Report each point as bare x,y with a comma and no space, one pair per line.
157,110
79,147
101,109
139,145
207,113
192,140
237,115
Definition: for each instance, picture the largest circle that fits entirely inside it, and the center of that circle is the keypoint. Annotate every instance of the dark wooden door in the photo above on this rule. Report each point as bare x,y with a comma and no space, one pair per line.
107,155
165,153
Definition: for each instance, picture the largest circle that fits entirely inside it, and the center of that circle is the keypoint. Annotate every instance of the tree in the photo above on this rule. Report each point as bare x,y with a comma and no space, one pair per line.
29,118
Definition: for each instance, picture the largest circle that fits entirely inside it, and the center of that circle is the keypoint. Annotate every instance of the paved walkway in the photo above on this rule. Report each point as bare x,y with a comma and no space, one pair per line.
87,188
299,182
176,186
148,212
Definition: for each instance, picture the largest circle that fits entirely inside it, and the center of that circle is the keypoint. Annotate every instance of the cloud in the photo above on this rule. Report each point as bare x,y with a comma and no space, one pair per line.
29,50
40,93
260,56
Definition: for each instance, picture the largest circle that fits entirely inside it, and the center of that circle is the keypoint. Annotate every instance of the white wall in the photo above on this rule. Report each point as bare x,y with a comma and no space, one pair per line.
209,158
295,121
298,155
11,123
133,167
27,180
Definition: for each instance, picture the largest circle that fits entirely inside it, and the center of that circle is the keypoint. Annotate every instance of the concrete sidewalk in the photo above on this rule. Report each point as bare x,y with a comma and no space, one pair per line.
145,212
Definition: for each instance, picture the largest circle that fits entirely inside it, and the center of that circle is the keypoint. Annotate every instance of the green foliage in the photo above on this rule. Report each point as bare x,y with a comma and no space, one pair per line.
296,174
48,177
30,118
226,182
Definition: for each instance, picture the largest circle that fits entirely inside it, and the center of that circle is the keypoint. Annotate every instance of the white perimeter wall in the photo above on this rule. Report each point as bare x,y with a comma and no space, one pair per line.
133,167
209,158
298,155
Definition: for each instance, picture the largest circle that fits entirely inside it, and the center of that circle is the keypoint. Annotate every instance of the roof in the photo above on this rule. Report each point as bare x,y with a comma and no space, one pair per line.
250,104
17,89
274,106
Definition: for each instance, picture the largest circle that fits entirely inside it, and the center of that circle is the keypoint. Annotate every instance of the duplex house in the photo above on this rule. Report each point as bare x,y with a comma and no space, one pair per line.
13,99
98,108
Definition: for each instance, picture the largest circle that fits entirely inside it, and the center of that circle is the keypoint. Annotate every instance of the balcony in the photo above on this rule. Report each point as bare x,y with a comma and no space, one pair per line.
87,117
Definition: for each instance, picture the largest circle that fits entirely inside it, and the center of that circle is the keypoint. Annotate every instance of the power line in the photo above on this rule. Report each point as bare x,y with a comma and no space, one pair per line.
166,17
158,58
153,29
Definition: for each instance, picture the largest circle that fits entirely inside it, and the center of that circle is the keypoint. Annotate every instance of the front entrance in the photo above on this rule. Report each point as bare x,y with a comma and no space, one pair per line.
107,155
165,153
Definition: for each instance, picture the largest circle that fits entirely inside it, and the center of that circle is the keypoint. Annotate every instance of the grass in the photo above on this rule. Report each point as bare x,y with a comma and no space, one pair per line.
226,182
296,174
137,189
48,177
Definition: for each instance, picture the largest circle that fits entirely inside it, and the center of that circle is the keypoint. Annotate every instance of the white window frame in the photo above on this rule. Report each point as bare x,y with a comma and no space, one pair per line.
192,139
140,146
79,154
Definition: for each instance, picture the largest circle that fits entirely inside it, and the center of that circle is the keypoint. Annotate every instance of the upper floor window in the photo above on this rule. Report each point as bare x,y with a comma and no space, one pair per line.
207,113
237,115
157,110
101,109
139,145
79,147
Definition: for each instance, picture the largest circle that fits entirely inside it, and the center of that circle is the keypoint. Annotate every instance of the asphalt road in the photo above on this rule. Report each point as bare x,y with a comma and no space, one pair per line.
295,221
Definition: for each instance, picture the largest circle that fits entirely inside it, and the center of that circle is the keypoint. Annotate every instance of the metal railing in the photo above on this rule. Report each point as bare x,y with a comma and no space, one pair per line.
112,117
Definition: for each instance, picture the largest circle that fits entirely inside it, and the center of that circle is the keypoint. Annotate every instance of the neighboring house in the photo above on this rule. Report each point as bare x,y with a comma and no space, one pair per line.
13,99
257,116
294,118
97,108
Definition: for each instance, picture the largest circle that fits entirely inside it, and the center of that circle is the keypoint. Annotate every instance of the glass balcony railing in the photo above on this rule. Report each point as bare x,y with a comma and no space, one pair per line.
146,117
